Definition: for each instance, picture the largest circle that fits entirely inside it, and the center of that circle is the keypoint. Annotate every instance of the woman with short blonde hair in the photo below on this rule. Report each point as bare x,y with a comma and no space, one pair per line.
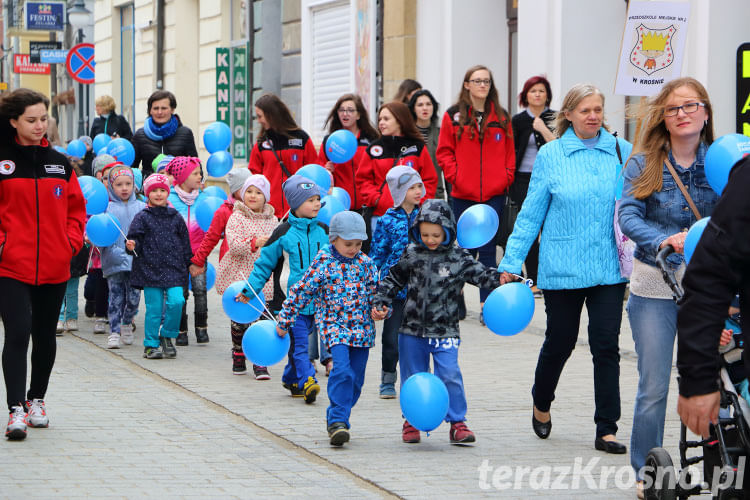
108,122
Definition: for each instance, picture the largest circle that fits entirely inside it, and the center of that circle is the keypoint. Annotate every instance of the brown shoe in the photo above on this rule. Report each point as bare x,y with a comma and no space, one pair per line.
409,433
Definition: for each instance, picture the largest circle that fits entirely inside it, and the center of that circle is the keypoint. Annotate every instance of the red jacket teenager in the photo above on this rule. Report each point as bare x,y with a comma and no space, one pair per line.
295,151
384,154
477,169
344,173
42,214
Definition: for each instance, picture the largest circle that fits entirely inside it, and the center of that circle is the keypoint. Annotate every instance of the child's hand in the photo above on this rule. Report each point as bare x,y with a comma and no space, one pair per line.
242,298
330,166
130,245
506,277
379,315
195,270
261,241
280,331
87,240
726,337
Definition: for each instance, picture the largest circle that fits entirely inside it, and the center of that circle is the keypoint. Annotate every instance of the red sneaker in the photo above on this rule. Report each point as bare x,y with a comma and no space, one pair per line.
459,433
409,433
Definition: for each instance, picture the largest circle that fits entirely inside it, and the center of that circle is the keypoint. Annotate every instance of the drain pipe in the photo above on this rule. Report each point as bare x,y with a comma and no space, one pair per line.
160,44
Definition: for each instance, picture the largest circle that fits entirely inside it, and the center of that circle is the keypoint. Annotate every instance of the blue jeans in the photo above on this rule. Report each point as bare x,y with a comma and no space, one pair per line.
345,382
69,309
299,367
654,324
391,326
415,358
155,302
488,252
123,301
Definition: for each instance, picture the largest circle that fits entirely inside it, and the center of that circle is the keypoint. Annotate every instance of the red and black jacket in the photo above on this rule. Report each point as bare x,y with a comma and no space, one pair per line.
42,214
344,173
384,154
477,169
295,151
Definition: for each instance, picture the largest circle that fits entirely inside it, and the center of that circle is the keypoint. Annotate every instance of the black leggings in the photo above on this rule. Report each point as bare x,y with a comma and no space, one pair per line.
28,311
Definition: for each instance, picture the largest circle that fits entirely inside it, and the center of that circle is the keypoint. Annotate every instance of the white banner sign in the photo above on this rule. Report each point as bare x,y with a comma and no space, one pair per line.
653,45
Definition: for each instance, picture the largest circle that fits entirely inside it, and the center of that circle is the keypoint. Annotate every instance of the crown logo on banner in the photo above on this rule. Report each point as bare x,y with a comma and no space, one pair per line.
654,41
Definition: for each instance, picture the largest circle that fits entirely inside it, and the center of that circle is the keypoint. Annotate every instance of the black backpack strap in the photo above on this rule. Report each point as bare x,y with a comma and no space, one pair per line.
617,148
278,158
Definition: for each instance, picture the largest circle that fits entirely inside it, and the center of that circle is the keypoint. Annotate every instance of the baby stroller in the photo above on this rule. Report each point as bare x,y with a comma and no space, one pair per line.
725,452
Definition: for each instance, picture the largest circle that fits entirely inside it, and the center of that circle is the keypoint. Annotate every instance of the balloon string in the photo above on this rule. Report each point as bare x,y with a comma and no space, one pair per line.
263,302
120,229
526,281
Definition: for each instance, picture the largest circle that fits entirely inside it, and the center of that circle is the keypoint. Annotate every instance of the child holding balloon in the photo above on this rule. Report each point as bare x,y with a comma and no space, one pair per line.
116,263
158,237
187,175
301,237
434,271
247,230
341,280
389,241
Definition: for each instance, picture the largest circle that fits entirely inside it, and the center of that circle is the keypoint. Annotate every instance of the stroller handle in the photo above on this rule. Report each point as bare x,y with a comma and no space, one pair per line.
667,274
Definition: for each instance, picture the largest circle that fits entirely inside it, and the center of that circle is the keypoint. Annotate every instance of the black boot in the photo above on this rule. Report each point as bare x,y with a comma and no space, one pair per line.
182,339
201,335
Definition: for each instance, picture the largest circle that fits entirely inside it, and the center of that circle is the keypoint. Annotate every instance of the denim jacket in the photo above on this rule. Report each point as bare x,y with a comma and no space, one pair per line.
650,221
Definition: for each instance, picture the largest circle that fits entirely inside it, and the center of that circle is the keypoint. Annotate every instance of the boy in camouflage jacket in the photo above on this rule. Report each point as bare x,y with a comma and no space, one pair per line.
434,271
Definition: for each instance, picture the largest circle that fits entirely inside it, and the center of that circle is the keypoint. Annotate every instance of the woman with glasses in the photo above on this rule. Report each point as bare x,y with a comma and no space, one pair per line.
350,114
676,130
282,148
424,110
531,131
476,153
400,144
571,200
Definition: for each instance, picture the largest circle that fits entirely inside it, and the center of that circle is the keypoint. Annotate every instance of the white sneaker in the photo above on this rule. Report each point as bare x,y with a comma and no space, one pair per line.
100,326
16,424
113,342
37,415
60,328
126,334
71,325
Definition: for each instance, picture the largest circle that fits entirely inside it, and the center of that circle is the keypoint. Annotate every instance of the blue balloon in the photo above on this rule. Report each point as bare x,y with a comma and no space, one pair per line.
238,311
205,209
509,309
331,206
210,277
95,194
721,156
219,163
217,137
341,146
122,150
693,236
343,196
138,178
76,148
318,175
101,141
262,345
60,149
216,192
102,230
424,401
102,151
477,226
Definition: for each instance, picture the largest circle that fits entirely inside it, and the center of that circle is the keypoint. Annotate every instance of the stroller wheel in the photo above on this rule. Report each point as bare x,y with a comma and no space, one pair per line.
660,477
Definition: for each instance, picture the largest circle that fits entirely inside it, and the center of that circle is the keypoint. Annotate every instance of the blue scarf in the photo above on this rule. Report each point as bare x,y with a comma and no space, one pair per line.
160,132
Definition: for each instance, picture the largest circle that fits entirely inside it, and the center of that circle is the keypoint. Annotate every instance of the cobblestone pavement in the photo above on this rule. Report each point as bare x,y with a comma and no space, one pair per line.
124,426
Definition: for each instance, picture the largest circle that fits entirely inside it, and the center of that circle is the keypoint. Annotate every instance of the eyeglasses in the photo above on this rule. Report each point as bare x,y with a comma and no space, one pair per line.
480,82
688,108
347,111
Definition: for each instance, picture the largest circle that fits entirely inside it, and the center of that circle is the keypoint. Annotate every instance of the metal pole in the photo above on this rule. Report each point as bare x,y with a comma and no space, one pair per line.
79,103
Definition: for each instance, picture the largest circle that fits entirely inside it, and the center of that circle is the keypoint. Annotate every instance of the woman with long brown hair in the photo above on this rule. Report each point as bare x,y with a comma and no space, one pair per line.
476,152
282,147
676,130
348,114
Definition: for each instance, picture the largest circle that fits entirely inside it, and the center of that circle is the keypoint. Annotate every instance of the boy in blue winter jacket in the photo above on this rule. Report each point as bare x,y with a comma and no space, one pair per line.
301,238
341,280
116,263
390,239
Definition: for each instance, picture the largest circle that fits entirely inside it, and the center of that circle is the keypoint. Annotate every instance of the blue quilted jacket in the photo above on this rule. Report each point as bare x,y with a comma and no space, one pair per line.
571,199
390,239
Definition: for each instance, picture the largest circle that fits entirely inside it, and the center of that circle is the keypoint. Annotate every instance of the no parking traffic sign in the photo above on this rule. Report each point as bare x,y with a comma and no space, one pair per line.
80,63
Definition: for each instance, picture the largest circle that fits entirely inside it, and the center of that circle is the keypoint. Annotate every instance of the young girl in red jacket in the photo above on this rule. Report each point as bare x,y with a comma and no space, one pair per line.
476,153
282,148
348,114
400,144
42,218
